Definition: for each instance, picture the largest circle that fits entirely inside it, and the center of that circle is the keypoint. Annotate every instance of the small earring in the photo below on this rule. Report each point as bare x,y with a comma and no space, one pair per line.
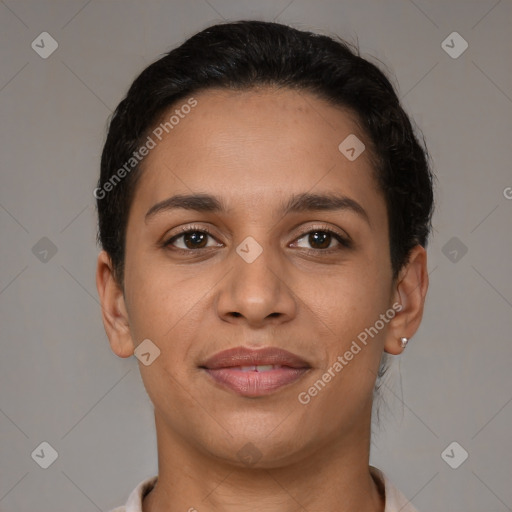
403,342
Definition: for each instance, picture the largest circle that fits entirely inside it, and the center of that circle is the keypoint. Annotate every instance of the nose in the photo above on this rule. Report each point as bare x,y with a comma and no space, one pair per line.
256,292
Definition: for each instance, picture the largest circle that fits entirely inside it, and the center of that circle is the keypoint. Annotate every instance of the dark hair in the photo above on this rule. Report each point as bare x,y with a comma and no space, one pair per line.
246,54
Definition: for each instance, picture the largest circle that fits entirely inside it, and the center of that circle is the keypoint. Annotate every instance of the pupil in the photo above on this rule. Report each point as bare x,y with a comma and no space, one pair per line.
191,239
320,238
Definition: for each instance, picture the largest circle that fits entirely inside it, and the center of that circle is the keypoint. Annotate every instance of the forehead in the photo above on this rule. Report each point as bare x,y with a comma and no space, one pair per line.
256,145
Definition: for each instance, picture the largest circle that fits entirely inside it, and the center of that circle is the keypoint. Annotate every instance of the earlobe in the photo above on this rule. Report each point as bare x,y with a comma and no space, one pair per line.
113,308
410,292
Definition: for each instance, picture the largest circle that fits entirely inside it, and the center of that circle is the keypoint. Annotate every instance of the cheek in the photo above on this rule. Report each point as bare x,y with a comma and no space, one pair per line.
169,305
354,317
351,298
159,301
165,309
350,305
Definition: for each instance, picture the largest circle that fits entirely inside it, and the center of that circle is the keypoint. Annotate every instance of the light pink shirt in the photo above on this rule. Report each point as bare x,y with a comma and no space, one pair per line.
394,499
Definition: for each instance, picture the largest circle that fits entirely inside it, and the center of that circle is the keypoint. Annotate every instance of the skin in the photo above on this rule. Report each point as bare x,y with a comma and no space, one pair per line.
253,150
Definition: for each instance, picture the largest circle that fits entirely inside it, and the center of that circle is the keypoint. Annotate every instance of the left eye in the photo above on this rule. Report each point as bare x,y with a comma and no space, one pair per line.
192,239
322,239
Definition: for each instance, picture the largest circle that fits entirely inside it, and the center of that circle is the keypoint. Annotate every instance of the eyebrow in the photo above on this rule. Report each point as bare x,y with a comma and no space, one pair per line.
297,203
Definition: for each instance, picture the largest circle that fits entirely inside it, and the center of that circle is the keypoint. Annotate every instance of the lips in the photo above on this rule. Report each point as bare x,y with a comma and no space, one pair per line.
242,356
252,373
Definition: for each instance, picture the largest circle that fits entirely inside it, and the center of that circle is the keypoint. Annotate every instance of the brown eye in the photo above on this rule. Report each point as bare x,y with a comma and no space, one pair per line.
195,240
322,239
319,239
190,240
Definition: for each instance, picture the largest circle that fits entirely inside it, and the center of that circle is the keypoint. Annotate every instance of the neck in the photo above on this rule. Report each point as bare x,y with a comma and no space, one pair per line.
334,477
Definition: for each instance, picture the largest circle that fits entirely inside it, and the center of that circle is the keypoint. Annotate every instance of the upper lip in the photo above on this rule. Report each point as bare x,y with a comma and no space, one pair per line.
243,356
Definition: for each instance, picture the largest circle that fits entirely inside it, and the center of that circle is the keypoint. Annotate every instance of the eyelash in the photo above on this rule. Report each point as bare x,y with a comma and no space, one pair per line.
344,242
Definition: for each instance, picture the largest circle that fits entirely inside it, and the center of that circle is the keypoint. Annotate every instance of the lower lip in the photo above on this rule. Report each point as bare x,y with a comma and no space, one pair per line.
255,383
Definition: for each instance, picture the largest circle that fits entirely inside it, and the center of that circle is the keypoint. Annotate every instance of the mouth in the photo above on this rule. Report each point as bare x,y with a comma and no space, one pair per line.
254,373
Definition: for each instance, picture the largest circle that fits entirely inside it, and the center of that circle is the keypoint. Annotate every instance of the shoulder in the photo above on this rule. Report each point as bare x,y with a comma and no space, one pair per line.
134,503
394,499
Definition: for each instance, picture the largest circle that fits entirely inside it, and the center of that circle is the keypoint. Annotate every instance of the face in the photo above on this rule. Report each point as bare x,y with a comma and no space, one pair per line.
257,264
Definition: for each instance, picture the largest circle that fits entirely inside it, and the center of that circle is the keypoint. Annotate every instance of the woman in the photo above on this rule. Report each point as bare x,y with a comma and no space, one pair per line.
264,208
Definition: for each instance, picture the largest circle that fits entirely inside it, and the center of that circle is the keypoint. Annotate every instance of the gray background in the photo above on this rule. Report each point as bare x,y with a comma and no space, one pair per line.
59,381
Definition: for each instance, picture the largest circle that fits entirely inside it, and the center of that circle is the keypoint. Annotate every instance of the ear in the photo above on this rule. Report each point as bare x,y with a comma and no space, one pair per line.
409,290
113,308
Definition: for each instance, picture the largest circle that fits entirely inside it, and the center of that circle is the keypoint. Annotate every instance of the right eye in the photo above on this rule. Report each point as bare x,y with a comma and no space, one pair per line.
191,239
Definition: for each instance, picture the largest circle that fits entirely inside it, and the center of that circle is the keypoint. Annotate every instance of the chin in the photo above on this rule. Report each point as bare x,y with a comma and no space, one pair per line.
257,449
